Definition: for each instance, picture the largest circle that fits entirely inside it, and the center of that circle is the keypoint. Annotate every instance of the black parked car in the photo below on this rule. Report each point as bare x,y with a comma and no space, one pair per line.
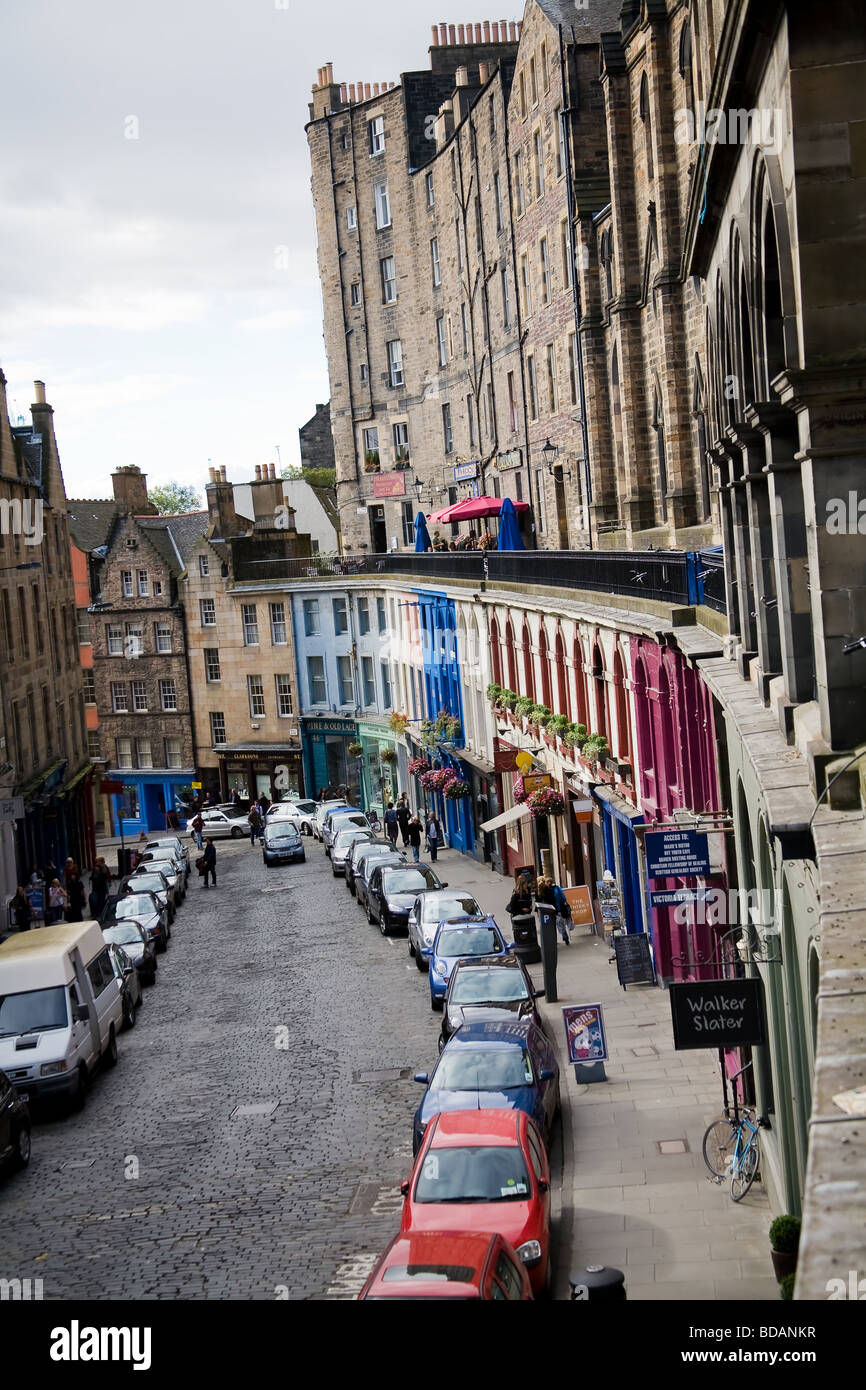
360,850
139,905
282,843
14,1126
392,892
138,945
364,873
488,989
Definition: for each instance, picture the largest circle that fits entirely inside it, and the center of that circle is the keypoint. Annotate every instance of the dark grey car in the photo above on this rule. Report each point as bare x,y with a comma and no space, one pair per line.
365,872
135,941
488,989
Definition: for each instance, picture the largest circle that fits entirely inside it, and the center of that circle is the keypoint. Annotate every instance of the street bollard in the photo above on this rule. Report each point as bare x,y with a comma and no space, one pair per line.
547,932
598,1284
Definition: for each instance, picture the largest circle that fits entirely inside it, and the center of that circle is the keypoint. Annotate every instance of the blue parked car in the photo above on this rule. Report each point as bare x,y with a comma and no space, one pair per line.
499,1066
455,940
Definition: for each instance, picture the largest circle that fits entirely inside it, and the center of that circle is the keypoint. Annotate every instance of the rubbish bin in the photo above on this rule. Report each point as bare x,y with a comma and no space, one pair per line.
597,1284
525,938
547,932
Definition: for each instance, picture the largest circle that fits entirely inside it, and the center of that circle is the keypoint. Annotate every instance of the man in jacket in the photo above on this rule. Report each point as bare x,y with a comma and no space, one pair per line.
209,861
403,816
391,825
197,828
434,836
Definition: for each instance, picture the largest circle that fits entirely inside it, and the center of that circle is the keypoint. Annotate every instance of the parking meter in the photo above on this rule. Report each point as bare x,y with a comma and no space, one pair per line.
547,932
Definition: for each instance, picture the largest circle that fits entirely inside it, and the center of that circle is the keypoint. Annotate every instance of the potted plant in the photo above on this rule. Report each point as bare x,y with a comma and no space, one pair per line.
456,788
355,750
595,748
574,736
784,1243
398,722
546,802
786,1287
388,755
371,461
495,694
522,705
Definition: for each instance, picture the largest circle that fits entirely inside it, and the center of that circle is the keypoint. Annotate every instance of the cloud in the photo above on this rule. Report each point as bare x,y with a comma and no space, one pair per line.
274,320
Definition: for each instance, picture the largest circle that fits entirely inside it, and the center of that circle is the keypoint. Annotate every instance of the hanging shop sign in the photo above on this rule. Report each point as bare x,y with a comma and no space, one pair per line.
464,471
585,1037
111,788
389,484
511,459
717,1013
677,854
579,900
329,726
536,782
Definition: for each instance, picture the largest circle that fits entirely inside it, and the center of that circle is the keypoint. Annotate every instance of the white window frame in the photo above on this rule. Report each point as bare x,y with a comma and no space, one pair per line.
162,635
400,437
143,753
173,759
376,130
207,612
142,579
250,625
396,375
114,639
139,697
389,280
442,340
344,663
312,683
126,580
119,697
546,287
277,623
431,191
382,204
285,699
256,697
123,751
217,723
204,566
211,661
352,218
434,257
166,696
312,615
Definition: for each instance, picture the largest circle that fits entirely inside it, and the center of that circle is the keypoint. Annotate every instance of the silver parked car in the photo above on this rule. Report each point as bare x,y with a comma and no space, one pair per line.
220,826
322,810
299,813
155,882
170,870
345,838
339,820
177,847
128,981
429,909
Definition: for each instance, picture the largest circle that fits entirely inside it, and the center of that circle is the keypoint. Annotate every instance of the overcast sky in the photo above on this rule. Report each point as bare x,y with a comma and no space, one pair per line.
138,277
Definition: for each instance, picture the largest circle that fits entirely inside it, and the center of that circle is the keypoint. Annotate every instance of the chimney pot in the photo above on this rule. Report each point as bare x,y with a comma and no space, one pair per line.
443,35
258,472
272,469
483,73
461,33
39,388
487,31
452,34
461,77
435,28
494,32
367,92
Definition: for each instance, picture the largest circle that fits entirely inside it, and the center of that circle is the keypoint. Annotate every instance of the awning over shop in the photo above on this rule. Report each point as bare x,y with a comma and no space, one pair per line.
506,817
78,777
474,760
41,781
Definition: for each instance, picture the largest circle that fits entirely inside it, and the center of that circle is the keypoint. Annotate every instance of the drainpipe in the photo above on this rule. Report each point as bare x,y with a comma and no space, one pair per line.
575,286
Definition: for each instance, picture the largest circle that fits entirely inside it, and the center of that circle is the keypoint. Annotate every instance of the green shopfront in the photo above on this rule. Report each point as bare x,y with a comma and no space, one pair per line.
327,760
378,765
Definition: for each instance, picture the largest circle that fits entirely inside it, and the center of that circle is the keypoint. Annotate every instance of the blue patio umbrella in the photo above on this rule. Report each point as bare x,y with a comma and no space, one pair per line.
509,530
422,535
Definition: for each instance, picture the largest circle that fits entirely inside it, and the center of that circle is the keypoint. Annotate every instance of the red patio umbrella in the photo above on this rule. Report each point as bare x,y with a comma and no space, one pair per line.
474,508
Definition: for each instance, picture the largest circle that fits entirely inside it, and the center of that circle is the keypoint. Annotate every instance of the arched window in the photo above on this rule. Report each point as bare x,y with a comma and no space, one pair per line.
582,711
647,126
511,656
623,725
606,255
544,663
774,351
528,671
600,723
659,427
668,774
685,65
495,653
563,703
645,751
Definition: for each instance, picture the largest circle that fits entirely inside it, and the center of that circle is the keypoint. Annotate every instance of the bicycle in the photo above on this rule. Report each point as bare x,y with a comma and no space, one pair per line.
730,1144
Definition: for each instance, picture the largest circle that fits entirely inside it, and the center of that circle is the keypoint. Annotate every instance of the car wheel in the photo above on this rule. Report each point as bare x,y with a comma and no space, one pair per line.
236,832
305,829
421,962
129,1014
370,918
411,948
383,925
161,945
110,1054
21,1154
168,933
79,1098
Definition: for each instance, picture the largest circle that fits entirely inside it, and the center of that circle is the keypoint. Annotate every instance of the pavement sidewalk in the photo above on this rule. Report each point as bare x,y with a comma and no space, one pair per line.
636,1193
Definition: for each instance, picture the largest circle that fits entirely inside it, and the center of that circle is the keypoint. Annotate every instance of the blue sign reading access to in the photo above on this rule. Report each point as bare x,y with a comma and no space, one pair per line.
677,854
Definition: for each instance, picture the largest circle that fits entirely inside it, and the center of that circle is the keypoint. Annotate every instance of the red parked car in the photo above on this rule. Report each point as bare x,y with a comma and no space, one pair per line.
448,1264
484,1170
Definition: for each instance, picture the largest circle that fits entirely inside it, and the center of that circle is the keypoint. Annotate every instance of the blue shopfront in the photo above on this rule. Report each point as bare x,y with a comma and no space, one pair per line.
145,799
327,761
621,854
438,617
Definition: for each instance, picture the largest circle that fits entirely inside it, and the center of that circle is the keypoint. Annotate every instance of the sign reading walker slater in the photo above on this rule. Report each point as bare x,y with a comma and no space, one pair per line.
717,1013
677,854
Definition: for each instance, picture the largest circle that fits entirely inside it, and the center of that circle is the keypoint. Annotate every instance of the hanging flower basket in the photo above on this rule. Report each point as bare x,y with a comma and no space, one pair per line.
397,723
388,755
418,766
437,779
355,750
456,789
447,725
546,802
518,791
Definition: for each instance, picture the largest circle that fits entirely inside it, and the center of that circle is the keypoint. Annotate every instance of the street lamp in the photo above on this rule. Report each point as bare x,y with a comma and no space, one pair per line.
28,565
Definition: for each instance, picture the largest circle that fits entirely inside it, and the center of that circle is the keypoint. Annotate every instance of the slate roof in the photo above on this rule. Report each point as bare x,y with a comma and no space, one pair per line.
91,522
185,530
601,17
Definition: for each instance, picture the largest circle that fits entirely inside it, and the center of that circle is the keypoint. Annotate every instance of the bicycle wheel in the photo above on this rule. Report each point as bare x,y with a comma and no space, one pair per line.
744,1171
718,1146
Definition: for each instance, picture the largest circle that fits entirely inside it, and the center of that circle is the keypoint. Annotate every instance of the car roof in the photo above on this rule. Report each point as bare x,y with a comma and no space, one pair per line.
429,893
466,1248
468,923
508,962
496,1128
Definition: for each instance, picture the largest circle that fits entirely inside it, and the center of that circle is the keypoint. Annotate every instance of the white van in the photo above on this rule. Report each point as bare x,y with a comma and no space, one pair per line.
60,1009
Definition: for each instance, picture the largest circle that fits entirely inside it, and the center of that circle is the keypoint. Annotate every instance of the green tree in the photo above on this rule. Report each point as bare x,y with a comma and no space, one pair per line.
316,477
171,498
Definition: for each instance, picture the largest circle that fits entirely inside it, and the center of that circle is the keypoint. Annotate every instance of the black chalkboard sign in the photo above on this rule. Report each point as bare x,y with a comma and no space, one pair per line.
717,1013
633,961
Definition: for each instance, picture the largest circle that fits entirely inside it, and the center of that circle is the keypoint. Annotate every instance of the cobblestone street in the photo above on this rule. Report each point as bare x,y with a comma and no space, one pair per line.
274,993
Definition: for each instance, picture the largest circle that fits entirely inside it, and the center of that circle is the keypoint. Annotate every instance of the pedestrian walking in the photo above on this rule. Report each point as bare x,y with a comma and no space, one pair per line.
198,829
76,896
100,880
551,895
256,824
209,857
235,797
520,902
264,804
415,833
404,815
57,901
434,836
22,912
392,825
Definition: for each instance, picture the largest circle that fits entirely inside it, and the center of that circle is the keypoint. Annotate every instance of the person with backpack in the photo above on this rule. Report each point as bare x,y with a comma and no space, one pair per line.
414,831
392,825
550,894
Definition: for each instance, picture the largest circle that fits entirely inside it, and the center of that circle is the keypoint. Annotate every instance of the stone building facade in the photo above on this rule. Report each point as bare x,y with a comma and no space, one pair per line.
138,642
43,743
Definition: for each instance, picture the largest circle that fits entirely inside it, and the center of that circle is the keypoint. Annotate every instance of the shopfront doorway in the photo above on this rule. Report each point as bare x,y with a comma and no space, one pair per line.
378,530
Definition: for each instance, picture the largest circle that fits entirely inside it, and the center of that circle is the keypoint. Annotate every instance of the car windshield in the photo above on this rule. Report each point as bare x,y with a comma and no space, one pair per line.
165,863
282,834
154,881
407,880
484,1174
33,1011
128,935
483,1069
441,909
470,941
136,905
345,837
488,986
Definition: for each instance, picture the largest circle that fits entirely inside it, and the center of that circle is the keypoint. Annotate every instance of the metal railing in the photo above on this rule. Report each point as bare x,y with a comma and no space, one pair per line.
676,577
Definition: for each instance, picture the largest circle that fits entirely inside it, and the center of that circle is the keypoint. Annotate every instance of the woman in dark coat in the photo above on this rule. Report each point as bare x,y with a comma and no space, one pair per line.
20,905
99,887
520,903
77,896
